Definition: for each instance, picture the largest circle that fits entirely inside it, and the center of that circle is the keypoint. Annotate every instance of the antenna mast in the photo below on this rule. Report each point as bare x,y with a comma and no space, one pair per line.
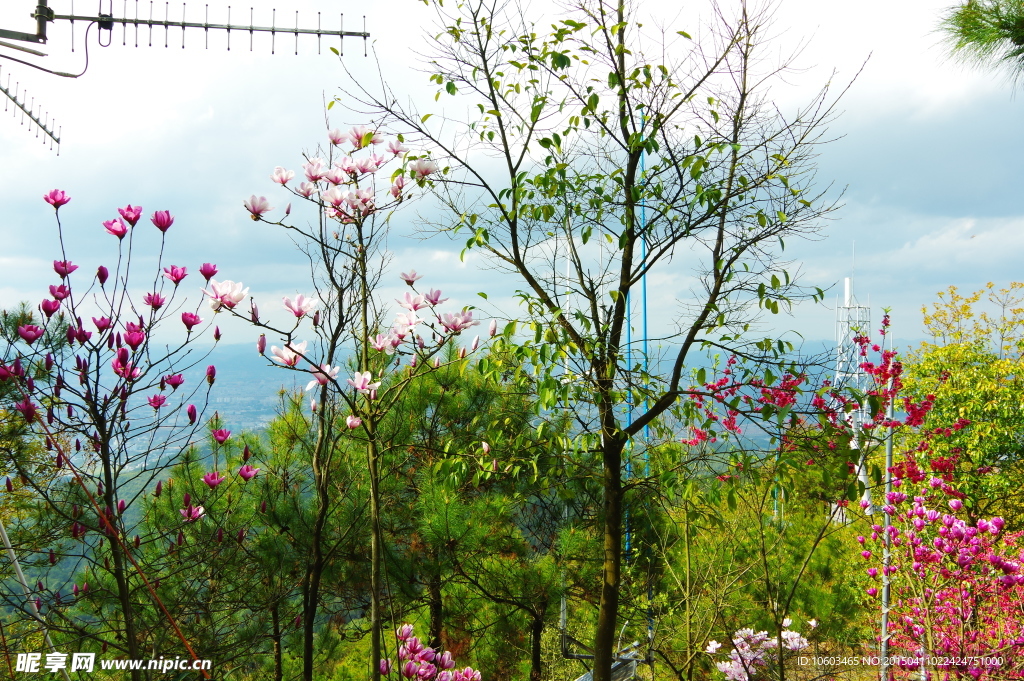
853,321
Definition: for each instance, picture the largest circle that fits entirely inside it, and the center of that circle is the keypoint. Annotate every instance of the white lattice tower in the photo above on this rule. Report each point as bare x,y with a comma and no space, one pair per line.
854,320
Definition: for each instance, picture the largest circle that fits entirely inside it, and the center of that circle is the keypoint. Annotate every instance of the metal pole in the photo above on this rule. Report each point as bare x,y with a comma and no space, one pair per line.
887,551
28,593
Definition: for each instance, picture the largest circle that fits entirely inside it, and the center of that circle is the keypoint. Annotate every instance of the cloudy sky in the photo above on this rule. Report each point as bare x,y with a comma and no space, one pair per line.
926,150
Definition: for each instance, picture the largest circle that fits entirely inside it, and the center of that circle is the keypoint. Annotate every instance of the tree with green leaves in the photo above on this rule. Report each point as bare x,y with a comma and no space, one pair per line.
592,159
987,33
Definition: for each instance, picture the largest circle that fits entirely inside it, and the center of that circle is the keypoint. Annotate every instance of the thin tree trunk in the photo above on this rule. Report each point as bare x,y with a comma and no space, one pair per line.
604,639
275,619
435,603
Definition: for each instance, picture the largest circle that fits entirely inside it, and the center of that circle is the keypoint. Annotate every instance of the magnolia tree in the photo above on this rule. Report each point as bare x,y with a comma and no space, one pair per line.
758,653
588,161
354,190
114,409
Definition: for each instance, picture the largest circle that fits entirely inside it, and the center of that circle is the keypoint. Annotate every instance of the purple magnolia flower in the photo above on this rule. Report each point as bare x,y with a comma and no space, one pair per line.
63,268
101,274
154,300
208,270
59,292
221,435
49,307
192,513
157,401
174,380
30,333
175,273
116,227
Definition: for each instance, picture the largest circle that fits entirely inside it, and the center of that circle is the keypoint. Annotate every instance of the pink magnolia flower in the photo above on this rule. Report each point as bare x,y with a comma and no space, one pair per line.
492,328
306,189
413,302
312,404
208,270
422,167
134,339
116,227
457,322
63,268
190,320
486,447
362,135
323,375
386,344
956,504
157,401
59,292
154,300
56,198
334,196
125,369
174,380
192,513
257,206
361,382
301,307
385,667
211,374
290,354
225,294
30,412
30,333
434,298
335,176
101,275
162,220
213,478
261,343
314,169
247,472
175,273
282,176
49,307
353,422
398,186
410,278
131,214
336,136
396,147
192,415
221,435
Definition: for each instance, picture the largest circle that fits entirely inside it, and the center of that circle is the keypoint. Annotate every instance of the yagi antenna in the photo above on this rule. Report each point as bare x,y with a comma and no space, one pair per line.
18,97
106,22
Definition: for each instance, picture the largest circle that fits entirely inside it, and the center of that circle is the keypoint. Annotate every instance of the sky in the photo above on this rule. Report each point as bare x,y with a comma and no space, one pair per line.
925,152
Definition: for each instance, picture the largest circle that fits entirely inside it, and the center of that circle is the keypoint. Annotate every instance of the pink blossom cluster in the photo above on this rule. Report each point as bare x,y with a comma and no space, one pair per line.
753,650
423,663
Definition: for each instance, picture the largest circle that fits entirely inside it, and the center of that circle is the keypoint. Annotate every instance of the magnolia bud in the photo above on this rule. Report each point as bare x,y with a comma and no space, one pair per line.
261,343
101,274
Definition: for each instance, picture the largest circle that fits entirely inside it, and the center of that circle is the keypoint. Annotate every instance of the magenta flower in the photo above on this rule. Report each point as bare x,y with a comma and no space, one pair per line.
125,369
410,278
56,198
101,275
385,667
49,307
216,333
301,307
191,411
225,294
213,479
404,632
422,167
157,401
361,382
63,268
192,513
154,300
289,355
208,270
174,380
30,412
162,220
131,214
247,472
954,504
282,176
190,320
353,422
257,206
116,227
221,435
134,339
60,292
30,333
175,273
211,374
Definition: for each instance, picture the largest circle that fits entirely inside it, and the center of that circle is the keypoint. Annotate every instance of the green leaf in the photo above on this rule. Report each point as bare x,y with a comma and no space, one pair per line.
330,105
482,295
450,87
425,117
335,51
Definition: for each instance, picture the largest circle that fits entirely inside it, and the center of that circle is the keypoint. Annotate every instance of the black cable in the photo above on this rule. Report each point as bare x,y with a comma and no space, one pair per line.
58,73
